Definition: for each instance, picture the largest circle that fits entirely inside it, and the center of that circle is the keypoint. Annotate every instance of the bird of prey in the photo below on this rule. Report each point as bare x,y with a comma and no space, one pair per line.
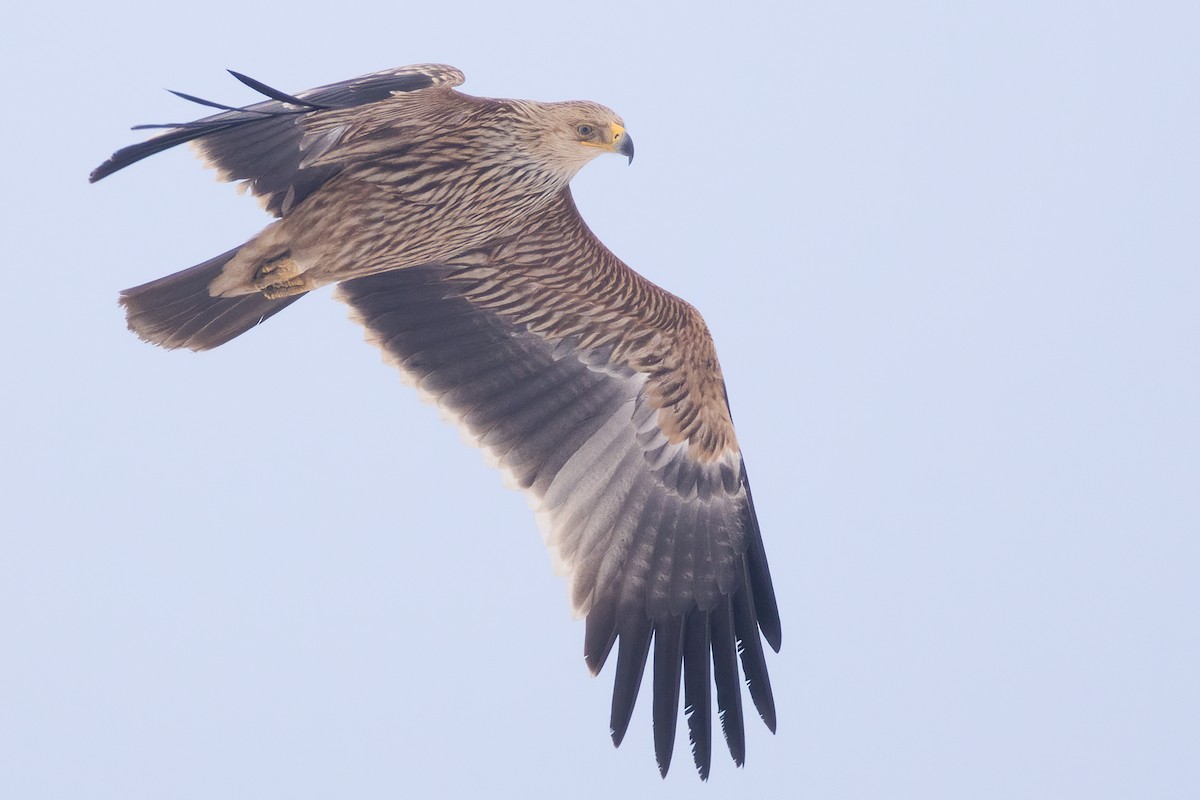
447,222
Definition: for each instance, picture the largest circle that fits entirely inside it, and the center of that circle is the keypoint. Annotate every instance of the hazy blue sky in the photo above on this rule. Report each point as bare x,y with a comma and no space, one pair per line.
949,252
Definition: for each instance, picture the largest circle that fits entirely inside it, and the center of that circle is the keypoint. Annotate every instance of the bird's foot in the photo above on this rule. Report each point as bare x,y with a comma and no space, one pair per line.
281,277
297,285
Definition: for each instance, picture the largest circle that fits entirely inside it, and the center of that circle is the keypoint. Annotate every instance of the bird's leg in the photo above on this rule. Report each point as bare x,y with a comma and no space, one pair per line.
281,277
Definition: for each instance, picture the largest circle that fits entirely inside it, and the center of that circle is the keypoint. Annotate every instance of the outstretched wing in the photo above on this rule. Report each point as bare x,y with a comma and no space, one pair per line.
600,395
270,145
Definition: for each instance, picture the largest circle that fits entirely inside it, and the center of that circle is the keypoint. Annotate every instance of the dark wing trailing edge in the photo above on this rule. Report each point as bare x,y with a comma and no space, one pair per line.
265,143
654,558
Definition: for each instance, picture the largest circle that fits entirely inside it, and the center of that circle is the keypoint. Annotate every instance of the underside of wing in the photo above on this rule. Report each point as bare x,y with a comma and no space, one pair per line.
268,144
659,548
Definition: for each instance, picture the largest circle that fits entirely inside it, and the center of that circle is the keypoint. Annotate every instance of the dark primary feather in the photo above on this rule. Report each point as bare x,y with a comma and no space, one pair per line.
193,99
275,94
725,677
632,651
668,664
754,665
697,689
760,577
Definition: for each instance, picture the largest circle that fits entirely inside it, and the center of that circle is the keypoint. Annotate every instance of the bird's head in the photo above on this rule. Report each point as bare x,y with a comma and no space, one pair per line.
574,133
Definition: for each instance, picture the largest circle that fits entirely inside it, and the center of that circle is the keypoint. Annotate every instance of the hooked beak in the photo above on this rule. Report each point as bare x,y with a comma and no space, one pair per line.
621,142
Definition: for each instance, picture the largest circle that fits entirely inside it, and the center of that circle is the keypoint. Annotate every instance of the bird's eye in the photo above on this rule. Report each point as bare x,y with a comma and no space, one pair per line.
585,130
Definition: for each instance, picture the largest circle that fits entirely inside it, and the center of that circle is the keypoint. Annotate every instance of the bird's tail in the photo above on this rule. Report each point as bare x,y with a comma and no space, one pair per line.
178,311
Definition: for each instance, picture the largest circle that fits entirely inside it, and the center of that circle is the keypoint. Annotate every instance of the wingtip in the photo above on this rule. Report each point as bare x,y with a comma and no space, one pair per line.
764,700
768,623
617,734
108,167
664,747
599,637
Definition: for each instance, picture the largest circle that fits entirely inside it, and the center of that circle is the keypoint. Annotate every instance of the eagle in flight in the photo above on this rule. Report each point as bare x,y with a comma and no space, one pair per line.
447,223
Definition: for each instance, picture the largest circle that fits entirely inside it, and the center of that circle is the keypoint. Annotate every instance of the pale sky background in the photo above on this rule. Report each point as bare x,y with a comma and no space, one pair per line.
949,252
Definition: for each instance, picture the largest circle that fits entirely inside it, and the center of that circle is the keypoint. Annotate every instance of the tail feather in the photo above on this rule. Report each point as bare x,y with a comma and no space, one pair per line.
178,311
